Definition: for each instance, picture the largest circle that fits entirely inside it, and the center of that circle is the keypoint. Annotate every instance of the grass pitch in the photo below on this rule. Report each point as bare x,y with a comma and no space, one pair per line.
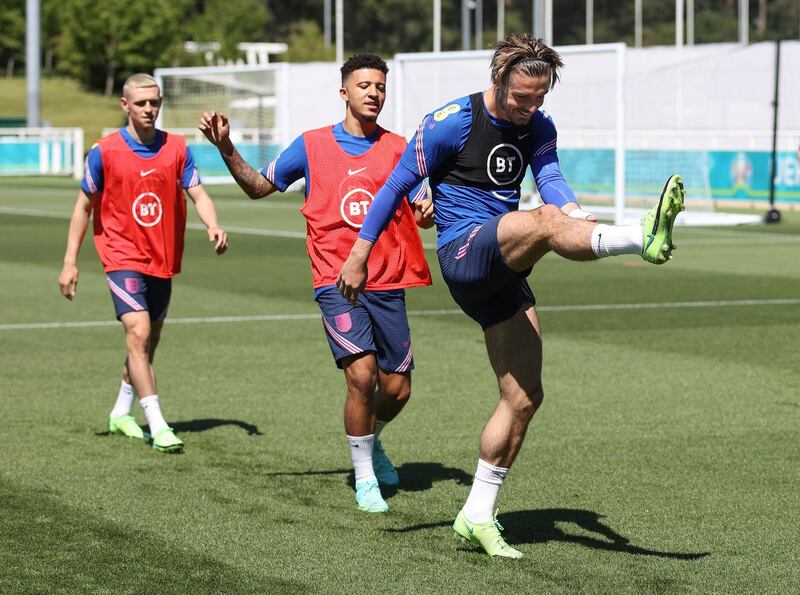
665,458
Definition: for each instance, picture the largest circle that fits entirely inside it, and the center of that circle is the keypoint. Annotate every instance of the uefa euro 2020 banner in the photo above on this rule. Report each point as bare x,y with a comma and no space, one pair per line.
721,175
745,175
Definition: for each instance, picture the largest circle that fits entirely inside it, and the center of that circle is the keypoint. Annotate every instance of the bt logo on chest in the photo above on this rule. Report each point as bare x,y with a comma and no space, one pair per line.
354,206
147,209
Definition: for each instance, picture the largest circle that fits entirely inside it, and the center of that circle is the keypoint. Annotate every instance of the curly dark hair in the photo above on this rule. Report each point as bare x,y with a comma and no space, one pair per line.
359,61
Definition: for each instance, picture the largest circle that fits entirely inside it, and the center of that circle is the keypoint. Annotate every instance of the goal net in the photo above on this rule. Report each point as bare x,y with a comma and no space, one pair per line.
253,97
626,121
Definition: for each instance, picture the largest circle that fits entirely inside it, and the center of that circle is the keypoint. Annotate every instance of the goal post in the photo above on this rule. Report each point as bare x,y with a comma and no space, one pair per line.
618,111
254,97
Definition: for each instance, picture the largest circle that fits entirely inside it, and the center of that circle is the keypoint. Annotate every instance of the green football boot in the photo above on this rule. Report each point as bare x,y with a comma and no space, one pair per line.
657,225
166,441
487,535
125,425
368,497
382,466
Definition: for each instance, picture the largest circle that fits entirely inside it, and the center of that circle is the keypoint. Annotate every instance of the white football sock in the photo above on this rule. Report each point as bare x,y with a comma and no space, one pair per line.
361,454
379,424
124,400
613,240
483,495
153,412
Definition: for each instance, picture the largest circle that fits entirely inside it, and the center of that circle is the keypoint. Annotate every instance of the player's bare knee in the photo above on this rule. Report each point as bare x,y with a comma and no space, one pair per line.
546,213
361,379
138,338
400,394
523,403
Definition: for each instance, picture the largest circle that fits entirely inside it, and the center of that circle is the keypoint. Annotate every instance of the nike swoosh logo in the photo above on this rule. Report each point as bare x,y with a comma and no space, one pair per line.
521,136
351,172
470,530
650,238
143,173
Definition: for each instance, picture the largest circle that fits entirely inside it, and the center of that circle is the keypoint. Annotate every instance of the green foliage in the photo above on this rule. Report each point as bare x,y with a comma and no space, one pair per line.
229,22
12,33
104,43
100,43
306,44
64,103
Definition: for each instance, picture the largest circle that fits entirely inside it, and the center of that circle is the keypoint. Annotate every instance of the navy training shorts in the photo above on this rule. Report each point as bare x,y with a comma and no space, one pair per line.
478,278
135,292
376,324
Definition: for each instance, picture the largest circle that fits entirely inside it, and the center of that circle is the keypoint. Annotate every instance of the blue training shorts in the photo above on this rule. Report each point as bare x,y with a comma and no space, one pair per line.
478,278
135,292
376,324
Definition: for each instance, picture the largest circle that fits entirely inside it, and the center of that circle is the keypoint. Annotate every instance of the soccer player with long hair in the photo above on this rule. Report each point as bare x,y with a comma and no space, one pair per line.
475,150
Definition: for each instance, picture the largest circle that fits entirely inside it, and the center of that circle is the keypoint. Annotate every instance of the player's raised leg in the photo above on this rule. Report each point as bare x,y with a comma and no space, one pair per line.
657,224
526,236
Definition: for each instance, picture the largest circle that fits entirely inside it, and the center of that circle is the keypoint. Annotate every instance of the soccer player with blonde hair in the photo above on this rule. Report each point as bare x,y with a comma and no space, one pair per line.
133,187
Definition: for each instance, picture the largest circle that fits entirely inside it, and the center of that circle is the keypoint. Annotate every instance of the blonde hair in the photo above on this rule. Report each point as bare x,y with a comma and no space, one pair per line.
525,55
138,81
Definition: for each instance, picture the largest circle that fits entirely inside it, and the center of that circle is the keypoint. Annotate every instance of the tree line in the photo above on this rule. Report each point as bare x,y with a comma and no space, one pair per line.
101,43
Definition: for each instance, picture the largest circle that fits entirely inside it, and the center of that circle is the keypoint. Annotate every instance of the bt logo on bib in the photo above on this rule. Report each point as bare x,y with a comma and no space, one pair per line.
355,205
504,164
147,209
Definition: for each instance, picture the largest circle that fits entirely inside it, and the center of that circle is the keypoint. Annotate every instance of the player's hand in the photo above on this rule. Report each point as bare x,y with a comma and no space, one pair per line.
215,127
575,211
423,210
352,278
68,281
220,239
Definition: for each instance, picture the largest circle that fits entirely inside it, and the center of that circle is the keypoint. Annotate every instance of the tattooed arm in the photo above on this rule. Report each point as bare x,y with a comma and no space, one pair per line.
216,129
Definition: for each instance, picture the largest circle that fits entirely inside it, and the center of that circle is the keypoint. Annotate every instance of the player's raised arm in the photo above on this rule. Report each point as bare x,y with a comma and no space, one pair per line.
216,129
79,223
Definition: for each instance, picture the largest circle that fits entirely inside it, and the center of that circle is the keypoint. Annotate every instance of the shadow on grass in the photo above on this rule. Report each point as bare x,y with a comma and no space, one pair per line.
201,425
414,477
541,526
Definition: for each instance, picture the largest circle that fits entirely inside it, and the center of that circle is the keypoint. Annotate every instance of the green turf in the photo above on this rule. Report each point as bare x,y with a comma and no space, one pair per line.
64,103
665,458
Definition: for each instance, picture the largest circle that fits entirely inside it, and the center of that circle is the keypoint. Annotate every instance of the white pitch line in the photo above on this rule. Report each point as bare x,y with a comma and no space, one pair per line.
444,312
255,231
32,213
749,238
